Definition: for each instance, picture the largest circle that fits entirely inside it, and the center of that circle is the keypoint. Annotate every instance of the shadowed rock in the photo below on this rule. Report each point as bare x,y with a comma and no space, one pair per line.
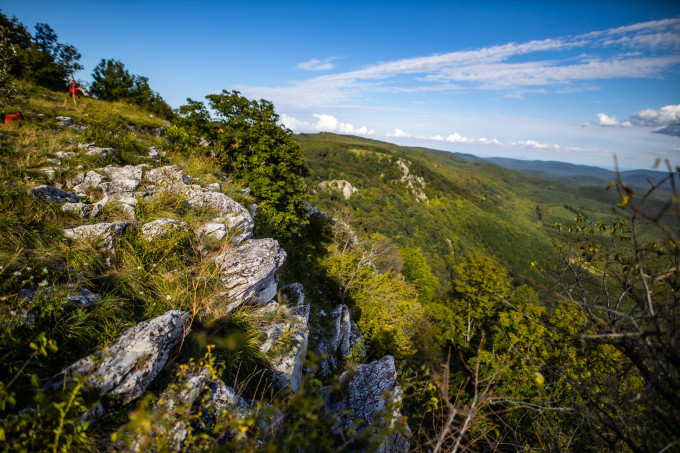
372,391
53,194
196,392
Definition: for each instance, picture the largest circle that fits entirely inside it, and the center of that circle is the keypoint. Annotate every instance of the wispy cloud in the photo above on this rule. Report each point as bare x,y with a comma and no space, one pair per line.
643,50
325,123
317,65
519,97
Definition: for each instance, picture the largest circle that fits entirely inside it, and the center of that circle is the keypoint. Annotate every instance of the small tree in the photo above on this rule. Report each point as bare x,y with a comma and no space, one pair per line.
111,81
478,291
261,153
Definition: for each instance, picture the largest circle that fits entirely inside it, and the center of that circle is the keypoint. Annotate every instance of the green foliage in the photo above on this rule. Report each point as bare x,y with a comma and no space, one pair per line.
112,82
417,271
40,58
391,318
258,153
478,290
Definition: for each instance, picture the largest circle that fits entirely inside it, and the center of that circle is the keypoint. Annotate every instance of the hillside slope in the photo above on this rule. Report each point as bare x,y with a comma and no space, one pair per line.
445,204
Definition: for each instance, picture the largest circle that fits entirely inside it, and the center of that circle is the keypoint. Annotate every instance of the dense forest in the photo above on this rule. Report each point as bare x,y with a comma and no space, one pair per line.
522,314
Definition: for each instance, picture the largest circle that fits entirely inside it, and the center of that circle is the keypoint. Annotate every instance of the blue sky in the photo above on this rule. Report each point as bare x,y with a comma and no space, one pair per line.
571,81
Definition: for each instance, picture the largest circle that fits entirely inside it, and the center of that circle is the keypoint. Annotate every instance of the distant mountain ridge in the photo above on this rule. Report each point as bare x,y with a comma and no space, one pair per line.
579,174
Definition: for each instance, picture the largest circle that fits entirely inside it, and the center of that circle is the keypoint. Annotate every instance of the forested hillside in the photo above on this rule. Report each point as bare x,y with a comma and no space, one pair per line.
468,206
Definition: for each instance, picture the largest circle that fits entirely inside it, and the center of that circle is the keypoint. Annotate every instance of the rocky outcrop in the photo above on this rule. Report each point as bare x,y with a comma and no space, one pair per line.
107,232
415,183
162,227
83,182
98,151
199,393
119,188
53,194
337,344
286,343
345,187
232,214
372,391
248,271
128,172
126,368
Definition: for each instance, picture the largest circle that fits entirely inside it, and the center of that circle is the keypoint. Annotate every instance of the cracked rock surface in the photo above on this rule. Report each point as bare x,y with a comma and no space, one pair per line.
127,367
107,232
249,270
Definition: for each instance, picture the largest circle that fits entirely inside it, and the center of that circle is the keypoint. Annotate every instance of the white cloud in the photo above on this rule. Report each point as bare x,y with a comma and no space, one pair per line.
666,120
519,97
398,133
535,145
317,65
325,123
607,121
457,138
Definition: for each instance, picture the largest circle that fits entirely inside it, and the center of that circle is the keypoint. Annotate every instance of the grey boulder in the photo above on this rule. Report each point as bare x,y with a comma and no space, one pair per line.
46,192
373,390
126,368
248,271
107,232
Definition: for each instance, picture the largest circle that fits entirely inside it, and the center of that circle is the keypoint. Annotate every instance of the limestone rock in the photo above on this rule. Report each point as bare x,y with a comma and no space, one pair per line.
153,152
345,187
119,187
53,194
250,269
97,151
170,179
366,398
49,172
126,172
162,227
342,336
107,232
286,359
127,367
233,214
85,210
84,297
66,121
197,392
64,154
214,230
82,183
342,328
